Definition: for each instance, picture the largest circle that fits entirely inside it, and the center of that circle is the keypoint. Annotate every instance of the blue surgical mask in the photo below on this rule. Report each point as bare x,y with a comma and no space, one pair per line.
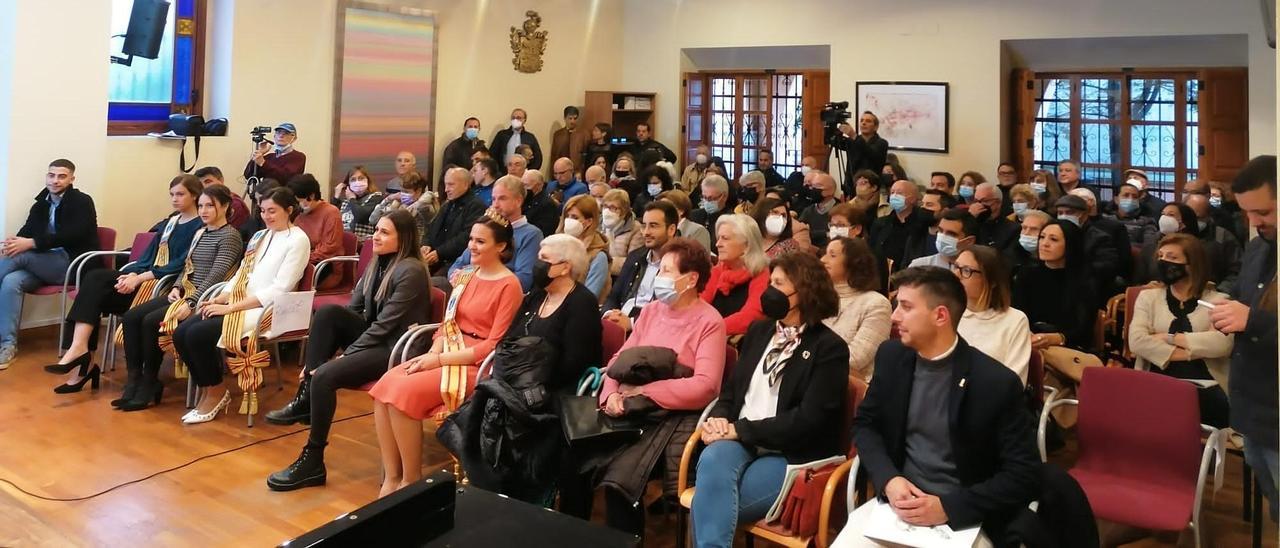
966,192
898,202
947,246
1029,243
406,198
472,132
664,289
1215,201
1127,205
1020,209
1039,188
710,207
655,190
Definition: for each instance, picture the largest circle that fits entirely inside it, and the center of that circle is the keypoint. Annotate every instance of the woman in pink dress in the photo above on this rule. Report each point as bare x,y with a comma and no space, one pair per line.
485,298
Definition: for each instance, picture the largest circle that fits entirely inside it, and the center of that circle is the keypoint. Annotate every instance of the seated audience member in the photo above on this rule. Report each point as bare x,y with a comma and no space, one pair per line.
600,145
923,244
1027,250
539,207
322,222
1100,248
677,319
567,184
785,402
568,141
799,230
254,223
740,275
601,161
623,174
1175,218
956,233
942,181
1227,212
635,286
458,152
1023,200
995,328
356,197
281,162
1224,268
506,141
595,176
273,264
795,181
773,218
581,220
1170,332
696,170
214,252
484,299
1057,293
890,234
393,294
868,195
764,165
716,202
527,152
516,165
483,174
687,228
508,197
993,229
450,230
816,215
847,220
620,227
1127,212
1148,204
968,464
414,198
406,163
61,225
107,291
892,170
239,212
656,181
750,190
863,317
1006,178
562,310
1045,185
967,186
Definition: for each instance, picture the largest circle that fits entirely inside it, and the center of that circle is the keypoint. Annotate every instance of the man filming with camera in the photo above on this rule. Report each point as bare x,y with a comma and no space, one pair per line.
865,149
276,160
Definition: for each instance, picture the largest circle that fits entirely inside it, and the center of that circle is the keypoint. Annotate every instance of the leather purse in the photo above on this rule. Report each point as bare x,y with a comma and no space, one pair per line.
582,420
799,517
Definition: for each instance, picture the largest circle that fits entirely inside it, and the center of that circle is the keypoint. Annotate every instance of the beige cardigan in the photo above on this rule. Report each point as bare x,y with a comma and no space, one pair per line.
1150,326
621,242
863,322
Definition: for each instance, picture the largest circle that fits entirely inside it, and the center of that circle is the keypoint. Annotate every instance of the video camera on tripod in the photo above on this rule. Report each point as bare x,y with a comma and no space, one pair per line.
833,114
260,135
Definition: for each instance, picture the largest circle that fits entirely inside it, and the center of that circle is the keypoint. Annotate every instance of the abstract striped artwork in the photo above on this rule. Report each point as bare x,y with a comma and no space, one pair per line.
385,90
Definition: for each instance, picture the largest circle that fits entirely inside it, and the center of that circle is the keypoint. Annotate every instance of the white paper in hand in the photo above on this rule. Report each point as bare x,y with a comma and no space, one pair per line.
291,312
884,525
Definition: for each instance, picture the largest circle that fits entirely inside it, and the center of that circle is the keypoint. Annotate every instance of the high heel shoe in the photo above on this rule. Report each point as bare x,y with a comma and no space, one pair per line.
148,394
196,417
95,375
64,368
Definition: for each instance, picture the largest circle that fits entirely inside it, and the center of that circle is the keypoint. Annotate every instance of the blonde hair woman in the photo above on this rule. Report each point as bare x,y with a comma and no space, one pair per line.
740,276
581,220
619,226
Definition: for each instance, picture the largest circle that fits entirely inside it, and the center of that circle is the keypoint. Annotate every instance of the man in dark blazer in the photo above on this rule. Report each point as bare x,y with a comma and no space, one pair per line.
943,432
447,236
505,142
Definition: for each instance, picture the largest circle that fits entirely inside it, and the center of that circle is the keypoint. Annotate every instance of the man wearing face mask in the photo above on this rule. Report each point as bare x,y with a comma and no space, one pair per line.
634,288
1226,266
956,232
458,152
818,215
1148,204
1099,247
1115,231
567,142
890,234
280,162
697,169
539,208
1140,228
505,142
923,244
715,202
750,189
994,229
795,182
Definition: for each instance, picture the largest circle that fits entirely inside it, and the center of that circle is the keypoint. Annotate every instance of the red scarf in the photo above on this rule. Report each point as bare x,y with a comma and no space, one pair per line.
731,278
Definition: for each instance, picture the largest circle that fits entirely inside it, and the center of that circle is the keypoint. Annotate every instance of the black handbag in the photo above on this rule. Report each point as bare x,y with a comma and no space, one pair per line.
582,420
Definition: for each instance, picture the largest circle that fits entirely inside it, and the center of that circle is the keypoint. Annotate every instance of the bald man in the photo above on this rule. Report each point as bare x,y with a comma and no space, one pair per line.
822,186
405,163
1106,243
1226,247
891,234
795,182
450,229
541,210
567,183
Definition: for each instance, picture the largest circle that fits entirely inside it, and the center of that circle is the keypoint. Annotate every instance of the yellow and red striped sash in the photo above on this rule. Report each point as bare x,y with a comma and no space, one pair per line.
246,361
143,293
453,377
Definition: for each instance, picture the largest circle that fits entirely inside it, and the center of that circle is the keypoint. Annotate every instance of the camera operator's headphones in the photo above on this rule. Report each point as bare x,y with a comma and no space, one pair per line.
194,125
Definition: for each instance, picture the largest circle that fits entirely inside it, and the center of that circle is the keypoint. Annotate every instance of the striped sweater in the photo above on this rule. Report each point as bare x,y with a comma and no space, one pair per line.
214,258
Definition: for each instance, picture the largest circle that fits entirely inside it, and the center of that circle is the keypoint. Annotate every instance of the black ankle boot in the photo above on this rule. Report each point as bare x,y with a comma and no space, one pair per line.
148,393
130,388
298,409
307,471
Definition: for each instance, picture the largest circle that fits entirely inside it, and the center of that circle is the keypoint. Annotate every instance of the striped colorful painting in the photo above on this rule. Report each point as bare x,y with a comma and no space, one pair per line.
385,97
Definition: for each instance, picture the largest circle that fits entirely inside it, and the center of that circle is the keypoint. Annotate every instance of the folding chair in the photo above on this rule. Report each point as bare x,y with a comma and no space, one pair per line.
106,242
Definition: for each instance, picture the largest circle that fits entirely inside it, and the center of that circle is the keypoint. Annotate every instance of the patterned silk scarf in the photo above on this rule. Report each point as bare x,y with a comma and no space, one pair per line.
143,293
453,377
246,361
785,341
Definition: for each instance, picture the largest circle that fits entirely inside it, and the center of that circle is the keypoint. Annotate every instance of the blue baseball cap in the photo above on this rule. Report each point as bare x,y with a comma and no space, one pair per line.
287,126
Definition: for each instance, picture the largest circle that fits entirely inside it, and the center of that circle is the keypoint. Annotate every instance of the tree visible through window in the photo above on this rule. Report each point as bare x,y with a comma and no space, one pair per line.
141,96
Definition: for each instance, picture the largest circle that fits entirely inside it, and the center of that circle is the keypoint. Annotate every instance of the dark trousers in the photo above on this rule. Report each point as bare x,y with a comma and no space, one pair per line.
96,296
577,497
142,337
196,341
333,328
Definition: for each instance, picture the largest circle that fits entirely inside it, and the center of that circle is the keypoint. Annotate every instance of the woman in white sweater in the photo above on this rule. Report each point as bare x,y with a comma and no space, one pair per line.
989,323
1171,332
863,320
273,264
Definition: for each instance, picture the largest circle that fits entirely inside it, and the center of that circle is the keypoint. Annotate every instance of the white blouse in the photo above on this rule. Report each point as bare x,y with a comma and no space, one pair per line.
1005,336
281,260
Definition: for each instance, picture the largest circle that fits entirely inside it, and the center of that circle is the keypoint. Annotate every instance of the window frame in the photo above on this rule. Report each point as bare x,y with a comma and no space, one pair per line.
134,118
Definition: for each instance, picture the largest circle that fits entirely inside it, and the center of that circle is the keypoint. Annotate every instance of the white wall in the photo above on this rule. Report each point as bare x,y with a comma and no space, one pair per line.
931,40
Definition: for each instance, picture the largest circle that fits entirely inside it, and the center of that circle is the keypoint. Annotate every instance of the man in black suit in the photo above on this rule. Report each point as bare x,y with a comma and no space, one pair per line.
447,236
506,141
944,432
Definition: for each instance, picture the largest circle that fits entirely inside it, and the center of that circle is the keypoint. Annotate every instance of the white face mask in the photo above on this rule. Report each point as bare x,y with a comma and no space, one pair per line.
701,159
1168,224
838,232
610,218
774,225
804,170
516,123
572,227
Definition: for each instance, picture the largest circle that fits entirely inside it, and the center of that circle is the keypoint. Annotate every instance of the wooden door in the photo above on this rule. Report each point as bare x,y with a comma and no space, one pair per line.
1023,117
693,124
1224,122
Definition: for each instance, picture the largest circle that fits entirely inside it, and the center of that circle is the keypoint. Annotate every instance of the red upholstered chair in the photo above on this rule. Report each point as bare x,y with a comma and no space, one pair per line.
141,241
612,337
1142,461
71,279
438,301
341,295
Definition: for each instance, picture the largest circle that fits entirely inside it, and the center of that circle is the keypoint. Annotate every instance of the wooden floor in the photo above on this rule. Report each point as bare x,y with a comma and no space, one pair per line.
70,446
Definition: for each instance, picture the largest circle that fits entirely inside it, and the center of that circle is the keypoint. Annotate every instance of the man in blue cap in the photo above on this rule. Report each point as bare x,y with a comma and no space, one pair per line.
280,162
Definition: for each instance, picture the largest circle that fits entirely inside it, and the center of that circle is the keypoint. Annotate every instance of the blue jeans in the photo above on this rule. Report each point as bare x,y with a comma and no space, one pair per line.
20,274
1266,466
733,485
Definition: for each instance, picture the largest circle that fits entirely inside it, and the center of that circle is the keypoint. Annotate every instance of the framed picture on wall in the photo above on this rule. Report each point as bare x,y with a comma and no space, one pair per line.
913,115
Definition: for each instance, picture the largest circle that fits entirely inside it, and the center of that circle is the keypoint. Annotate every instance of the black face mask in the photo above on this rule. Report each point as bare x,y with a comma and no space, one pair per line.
622,174
775,303
886,180
981,217
813,195
749,194
1171,273
541,274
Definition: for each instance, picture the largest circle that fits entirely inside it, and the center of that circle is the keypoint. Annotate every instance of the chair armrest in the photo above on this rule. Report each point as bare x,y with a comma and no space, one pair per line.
406,342
256,331
707,411
682,477
486,366
77,265
1049,394
1044,421
320,266
209,293
164,284
828,497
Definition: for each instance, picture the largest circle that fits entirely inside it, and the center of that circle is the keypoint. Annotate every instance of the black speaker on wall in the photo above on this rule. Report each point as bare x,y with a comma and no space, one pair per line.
146,28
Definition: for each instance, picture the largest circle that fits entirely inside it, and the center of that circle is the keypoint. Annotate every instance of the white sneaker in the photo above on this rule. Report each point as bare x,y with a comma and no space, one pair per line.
7,355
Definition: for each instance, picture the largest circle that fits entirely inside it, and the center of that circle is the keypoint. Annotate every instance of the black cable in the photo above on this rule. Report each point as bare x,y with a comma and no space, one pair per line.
167,470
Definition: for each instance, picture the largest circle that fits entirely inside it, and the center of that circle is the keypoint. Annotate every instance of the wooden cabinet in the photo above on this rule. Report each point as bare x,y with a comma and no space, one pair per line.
623,110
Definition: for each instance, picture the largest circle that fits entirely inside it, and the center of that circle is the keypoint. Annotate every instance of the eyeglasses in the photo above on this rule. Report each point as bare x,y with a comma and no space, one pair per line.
964,272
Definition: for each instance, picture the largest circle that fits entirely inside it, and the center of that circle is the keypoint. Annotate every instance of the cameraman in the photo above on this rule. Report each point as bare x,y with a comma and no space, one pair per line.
866,150
282,163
